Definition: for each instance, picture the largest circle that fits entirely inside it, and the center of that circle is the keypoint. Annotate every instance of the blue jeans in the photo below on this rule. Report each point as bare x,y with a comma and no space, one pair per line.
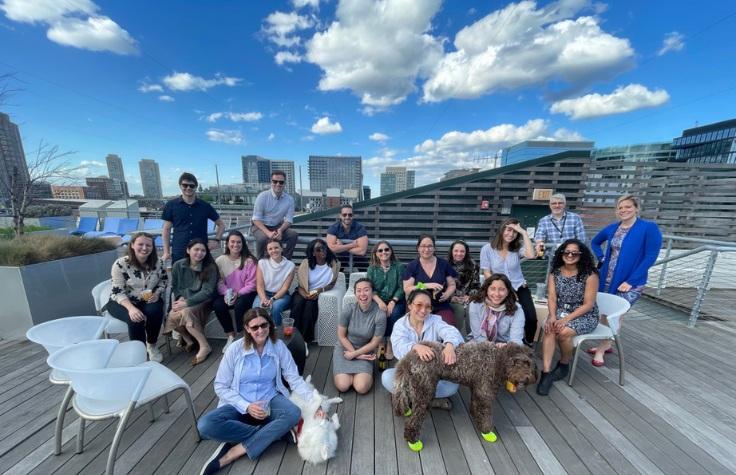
277,307
444,388
226,424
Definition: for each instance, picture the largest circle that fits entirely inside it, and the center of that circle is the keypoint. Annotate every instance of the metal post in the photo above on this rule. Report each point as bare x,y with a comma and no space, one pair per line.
663,272
703,288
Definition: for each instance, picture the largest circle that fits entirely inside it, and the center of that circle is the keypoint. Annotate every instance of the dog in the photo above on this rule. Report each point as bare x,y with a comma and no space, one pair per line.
317,440
481,366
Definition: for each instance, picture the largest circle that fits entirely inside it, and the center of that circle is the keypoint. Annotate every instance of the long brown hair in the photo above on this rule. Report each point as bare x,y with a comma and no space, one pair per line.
152,257
497,241
509,302
375,261
251,315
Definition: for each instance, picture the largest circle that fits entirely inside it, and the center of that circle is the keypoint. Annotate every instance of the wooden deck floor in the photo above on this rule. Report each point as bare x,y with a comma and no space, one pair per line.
676,414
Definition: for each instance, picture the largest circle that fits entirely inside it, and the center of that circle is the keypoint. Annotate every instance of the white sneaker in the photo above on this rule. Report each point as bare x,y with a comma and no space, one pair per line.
154,354
230,340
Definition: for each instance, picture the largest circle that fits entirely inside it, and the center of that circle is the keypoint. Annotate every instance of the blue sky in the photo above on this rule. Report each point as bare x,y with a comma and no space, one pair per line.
428,84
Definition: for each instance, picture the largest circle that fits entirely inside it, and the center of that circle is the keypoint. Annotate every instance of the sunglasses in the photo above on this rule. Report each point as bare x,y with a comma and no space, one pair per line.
420,306
572,253
278,182
258,327
319,249
385,249
347,215
191,186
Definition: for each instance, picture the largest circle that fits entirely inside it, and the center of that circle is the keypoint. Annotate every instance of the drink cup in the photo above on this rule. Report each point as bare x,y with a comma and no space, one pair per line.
229,296
541,291
147,295
266,406
288,323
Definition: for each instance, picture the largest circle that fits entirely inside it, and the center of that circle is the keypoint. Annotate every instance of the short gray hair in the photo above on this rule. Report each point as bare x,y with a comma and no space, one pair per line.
558,196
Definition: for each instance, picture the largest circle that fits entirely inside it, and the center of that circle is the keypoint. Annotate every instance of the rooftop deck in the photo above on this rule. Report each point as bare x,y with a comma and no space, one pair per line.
676,414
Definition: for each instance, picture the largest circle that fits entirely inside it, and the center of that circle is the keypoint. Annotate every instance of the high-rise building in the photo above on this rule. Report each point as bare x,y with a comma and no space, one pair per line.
397,179
115,171
12,157
256,169
531,149
345,173
366,192
659,151
150,179
104,188
286,166
712,143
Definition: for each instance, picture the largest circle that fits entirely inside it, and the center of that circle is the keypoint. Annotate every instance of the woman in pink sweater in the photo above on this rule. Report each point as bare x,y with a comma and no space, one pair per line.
237,286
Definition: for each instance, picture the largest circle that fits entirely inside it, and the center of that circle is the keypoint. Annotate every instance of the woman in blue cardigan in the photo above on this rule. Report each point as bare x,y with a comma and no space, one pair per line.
633,246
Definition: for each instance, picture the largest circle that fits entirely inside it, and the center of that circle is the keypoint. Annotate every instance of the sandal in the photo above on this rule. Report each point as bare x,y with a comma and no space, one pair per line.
441,403
200,359
593,350
389,355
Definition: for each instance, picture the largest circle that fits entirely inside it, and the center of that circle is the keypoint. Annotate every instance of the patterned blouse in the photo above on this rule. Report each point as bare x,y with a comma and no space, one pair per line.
129,282
468,280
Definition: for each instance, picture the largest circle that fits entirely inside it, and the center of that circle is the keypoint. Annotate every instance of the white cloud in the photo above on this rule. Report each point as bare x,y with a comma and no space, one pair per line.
377,49
73,23
623,99
271,136
92,163
283,57
280,27
298,4
673,41
520,45
188,82
165,98
146,87
325,126
378,137
235,116
232,137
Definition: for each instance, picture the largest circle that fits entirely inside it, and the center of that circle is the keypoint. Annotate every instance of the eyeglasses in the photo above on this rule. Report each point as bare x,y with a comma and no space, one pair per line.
188,185
426,246
385,249
258,327
278,182
319,249
572,253
347,215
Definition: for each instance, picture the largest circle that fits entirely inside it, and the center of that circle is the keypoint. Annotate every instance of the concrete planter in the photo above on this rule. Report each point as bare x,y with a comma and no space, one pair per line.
41,292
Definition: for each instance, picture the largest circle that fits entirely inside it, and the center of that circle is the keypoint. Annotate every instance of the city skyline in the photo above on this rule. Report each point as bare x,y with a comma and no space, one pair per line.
429,85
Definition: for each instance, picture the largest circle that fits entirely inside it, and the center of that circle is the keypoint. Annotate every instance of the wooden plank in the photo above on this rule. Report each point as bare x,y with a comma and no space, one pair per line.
431,455
385,445
362,439
470,444
449,442
541,452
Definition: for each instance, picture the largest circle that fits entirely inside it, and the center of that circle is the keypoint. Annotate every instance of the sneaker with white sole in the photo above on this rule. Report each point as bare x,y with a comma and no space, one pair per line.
230,340
154,354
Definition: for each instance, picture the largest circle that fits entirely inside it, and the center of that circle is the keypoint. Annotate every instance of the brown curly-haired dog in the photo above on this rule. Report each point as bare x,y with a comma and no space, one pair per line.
480,365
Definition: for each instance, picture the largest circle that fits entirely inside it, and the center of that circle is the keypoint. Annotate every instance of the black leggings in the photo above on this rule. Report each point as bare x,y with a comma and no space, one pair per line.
222,311
305,313
530,313
145,331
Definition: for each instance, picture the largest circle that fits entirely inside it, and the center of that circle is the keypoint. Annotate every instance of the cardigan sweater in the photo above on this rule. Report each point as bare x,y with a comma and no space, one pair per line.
302,273
639,250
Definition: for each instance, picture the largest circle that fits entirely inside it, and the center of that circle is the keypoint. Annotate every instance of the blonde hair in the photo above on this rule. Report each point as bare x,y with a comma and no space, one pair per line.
629,197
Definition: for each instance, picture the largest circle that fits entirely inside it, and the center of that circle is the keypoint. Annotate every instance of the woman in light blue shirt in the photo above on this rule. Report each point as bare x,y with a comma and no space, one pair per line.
494,314
254,408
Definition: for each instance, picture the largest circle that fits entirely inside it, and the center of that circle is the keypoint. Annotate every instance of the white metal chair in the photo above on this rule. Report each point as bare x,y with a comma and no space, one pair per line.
101,295
55,335
613,307
103,391
330,306
350,292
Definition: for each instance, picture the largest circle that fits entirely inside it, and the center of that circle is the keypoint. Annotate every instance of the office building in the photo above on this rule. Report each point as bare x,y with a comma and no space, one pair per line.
103,188
366,192
659,151
256,169
12,157
713,143
69,192
345,173
150,179
115,171
396,179
286,166
531,149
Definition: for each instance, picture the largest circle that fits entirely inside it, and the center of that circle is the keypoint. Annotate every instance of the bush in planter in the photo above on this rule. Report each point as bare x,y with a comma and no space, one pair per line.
34,249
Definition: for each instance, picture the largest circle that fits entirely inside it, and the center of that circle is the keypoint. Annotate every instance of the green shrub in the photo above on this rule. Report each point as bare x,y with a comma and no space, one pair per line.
34,249
9,233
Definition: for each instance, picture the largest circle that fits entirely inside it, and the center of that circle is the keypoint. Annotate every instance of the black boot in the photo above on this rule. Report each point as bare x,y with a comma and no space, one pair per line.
544,384
560,372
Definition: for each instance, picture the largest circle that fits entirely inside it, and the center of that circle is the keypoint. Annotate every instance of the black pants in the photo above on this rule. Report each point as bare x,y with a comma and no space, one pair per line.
305,313
530,313
147,330
222,311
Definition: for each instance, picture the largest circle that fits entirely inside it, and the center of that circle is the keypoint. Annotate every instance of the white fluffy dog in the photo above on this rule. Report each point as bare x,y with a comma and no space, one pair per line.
318,439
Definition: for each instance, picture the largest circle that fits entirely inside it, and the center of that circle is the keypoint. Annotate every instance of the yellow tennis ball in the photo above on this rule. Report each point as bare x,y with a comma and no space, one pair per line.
407,413
416,446
510,387
490,436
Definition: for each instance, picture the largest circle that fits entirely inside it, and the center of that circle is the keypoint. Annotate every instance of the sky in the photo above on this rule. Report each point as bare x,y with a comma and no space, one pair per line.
426,84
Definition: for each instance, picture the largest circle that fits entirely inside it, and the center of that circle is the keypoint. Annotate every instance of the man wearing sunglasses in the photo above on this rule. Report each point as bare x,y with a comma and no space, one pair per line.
347,228
273,213
188,215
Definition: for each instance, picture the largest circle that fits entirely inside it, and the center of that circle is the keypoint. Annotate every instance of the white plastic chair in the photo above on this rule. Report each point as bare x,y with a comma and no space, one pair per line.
350,292
55,335
103,391
613,307
330,306
101,295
